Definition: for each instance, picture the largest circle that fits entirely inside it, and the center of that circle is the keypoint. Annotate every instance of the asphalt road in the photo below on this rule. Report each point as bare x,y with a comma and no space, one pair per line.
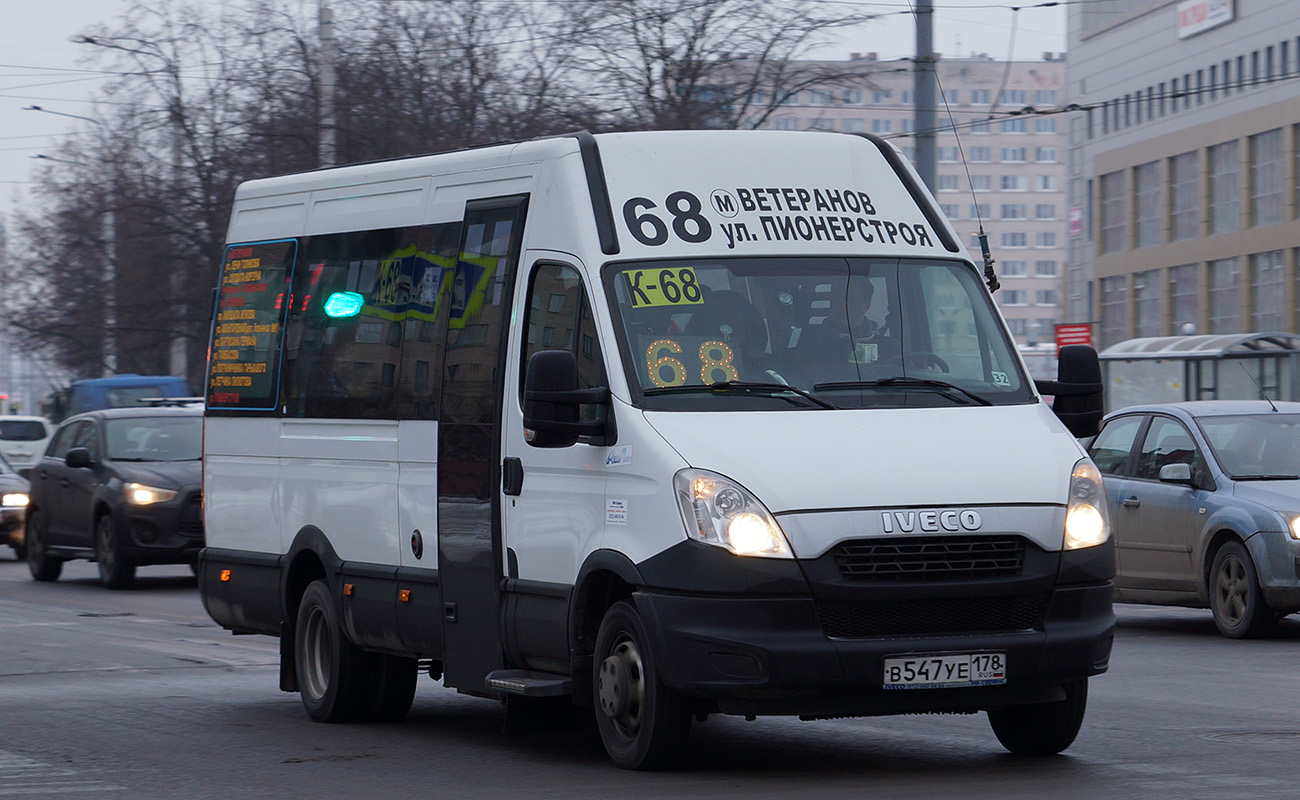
136,694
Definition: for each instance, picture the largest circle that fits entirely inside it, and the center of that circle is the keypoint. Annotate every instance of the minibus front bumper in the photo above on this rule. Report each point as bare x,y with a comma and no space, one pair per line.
822,651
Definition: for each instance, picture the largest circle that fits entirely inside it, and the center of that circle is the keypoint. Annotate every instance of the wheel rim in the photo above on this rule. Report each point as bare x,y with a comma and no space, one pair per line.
316,653
1232,589
621,687
104,552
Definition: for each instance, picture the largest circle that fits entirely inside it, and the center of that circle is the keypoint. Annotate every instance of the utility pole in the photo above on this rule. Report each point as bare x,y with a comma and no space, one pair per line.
328,54
178,360
923,85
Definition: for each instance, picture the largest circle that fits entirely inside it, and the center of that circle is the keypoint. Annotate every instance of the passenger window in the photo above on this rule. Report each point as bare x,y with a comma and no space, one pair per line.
1111,448
559,318
359,300
62,442
1167,442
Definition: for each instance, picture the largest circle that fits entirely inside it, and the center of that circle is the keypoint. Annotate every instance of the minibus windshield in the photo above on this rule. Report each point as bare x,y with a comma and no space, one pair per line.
727,334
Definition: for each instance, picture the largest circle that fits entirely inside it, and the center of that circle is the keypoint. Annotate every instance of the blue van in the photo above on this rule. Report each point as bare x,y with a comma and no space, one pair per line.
115,392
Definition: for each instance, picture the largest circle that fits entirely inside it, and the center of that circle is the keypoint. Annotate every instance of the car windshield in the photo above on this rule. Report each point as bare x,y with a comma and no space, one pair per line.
22,430
1259,446
154,438
727,334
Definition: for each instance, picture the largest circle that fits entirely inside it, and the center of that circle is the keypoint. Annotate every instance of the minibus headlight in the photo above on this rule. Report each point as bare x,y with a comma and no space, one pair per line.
142,495
1087,522
722,513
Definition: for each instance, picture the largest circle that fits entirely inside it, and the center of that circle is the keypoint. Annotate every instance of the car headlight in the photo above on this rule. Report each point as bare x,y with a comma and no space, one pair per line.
1087,523
720,512
1292,520
143,495
13,500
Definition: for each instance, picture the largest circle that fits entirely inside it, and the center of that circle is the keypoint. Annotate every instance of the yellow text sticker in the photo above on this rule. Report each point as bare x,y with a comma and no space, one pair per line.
663,287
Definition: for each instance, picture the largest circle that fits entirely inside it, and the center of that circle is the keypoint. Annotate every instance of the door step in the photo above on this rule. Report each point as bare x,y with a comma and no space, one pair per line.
529,683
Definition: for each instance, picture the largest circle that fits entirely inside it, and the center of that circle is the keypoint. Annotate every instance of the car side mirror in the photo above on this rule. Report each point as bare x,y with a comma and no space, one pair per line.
1077,389
1176,473
78,458
553,401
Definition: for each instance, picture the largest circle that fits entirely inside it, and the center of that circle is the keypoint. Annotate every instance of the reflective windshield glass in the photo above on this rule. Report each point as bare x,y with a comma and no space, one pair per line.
22,430
154,438
844,333
1255,445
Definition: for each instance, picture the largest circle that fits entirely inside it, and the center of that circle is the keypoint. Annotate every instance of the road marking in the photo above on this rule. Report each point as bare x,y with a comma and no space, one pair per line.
25,776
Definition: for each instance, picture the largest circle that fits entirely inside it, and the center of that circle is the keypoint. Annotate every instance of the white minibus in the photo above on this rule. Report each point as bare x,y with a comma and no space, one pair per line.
661,424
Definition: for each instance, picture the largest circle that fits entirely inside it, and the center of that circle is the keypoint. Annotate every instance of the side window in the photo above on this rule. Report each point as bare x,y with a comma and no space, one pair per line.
62,441
357,300
88,437
1167,442
1110,450
559,318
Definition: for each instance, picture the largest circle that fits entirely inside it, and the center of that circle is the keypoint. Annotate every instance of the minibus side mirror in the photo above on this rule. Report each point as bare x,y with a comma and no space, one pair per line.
1077,389
78,458
552,403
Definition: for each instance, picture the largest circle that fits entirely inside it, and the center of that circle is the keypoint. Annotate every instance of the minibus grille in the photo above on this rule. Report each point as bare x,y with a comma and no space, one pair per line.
944,617
947,558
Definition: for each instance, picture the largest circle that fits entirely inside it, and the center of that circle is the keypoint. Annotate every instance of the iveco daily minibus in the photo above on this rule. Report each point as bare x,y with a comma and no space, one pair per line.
668,424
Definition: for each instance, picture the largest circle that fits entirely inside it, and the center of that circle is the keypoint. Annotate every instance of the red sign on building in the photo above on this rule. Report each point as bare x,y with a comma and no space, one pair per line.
1074,333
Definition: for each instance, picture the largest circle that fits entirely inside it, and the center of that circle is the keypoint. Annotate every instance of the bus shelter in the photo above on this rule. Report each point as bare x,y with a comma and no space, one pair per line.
1231,366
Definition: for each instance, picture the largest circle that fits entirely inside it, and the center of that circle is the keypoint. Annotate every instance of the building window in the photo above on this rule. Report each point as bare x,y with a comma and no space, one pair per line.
984,154
1045,211
1046,297
1185,296
786,123
1045,239
1014,297
1016,96
1012,269
882,126
853,125
981,210
1045,183
981,183
1148,298
1045,154
1016,325
1114,212
1185,199
1045,125
979,127
1267,178
950,210
1267,307
1225,296
1014,211
821,124
1045,97
1114,310
1014,183
1013,126
908,97
853,97
1045,269
908,124
947,183
1146,189
1225,202
947,154
952,97
980,97
880,96
1014,153
1015,240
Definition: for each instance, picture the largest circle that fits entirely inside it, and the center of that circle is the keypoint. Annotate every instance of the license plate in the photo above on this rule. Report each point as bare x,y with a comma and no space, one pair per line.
936,672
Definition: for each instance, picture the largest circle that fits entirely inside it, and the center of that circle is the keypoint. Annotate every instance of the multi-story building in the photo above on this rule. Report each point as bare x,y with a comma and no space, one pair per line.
1183,184
1000,165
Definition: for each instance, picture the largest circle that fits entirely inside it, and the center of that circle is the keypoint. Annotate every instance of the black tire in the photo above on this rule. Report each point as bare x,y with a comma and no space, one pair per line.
643,724
390,683
1235,598
115,571
43,566
1042,729
330,669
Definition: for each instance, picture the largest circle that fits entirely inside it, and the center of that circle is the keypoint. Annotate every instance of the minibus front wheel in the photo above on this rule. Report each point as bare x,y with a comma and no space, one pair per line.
642,723
1042,729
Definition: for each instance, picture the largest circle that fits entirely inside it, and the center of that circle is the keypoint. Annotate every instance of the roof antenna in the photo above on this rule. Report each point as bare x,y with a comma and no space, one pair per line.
1257,386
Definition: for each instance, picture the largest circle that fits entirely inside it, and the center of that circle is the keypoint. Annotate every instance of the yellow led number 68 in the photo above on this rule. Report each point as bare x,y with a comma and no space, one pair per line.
716,363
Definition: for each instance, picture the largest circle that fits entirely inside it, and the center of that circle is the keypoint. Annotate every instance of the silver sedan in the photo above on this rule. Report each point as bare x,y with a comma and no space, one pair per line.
1205,503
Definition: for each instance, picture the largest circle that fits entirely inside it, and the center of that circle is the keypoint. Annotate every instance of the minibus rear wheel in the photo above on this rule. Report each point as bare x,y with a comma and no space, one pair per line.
1042,729
642,723
330,668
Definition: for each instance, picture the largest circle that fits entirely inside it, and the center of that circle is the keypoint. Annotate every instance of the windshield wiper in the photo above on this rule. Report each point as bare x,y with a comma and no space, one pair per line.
1266,477
905,382
756,387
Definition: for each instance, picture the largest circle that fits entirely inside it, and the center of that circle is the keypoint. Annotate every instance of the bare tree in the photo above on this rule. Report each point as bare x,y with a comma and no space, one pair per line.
704,63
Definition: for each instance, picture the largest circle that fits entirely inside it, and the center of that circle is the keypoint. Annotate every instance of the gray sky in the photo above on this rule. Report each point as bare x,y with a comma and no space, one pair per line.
39,63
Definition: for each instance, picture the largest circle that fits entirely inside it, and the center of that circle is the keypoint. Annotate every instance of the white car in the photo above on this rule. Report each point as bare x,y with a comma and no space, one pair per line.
23,440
